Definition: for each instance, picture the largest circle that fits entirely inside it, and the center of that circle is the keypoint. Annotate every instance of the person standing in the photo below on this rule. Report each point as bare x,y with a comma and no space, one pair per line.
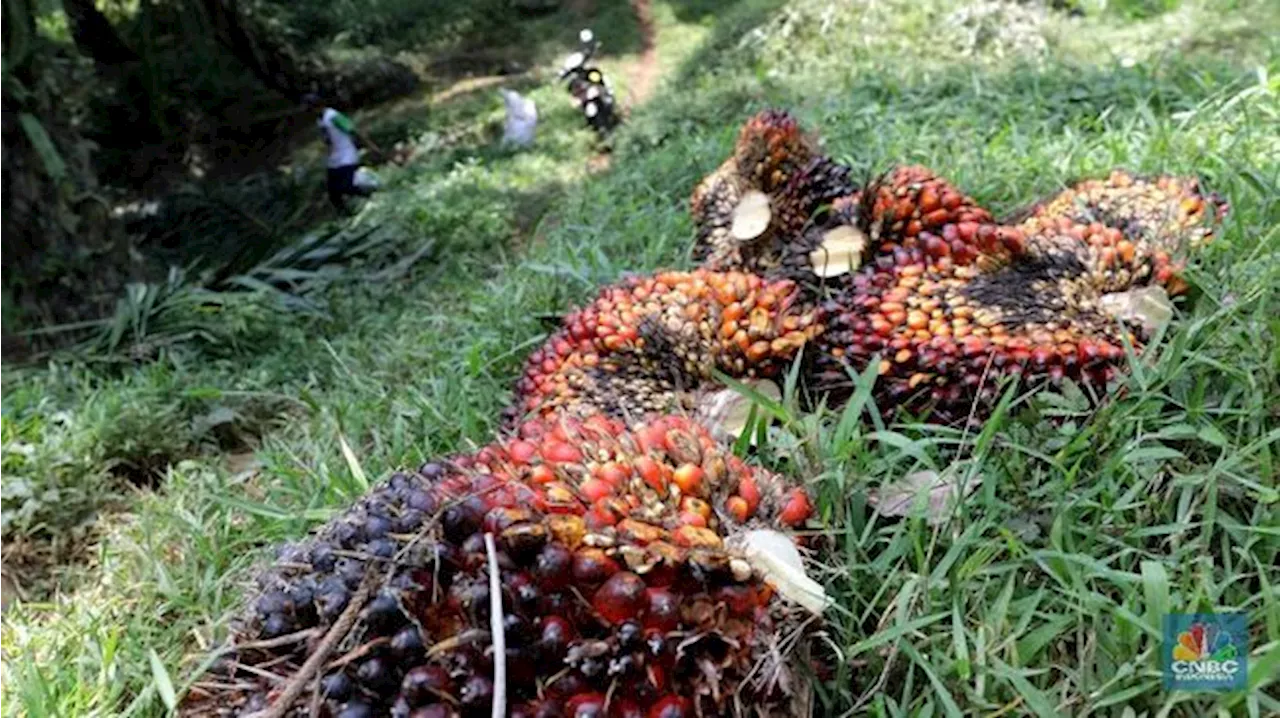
340,134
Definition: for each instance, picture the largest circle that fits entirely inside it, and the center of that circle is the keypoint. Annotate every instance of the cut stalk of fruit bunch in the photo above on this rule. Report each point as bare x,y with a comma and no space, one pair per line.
642,572
651,344
840,251
751,216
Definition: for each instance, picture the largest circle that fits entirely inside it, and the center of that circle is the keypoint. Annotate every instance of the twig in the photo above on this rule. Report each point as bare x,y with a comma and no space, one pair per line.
496,628
271,642
357,653
471,635
257,671
336,633
211,686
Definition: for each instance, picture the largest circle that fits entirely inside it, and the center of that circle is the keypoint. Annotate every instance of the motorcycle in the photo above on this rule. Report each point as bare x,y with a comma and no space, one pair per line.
589,88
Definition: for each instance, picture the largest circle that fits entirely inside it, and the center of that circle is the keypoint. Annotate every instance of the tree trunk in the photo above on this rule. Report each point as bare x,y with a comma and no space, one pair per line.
273,64
94,34
60,250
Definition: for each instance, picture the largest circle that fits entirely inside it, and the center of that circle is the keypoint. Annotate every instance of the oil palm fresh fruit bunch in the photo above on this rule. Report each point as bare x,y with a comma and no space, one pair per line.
651,344
949,301
575,569
914,275
754,209
1153,222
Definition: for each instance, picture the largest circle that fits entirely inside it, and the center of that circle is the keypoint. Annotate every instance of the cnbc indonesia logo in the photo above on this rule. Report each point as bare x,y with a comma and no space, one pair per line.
1205,652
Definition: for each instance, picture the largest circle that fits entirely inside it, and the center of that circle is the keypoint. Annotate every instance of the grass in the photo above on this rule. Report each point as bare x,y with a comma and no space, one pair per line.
1042,596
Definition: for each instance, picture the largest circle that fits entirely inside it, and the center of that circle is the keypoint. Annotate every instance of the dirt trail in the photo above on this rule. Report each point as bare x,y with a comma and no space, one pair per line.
644,75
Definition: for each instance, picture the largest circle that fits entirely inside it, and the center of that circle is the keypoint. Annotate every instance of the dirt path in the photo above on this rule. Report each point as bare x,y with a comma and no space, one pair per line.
644,75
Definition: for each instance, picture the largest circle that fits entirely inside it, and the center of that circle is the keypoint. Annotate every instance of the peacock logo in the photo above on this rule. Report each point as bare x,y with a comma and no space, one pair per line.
1205,652
1204,642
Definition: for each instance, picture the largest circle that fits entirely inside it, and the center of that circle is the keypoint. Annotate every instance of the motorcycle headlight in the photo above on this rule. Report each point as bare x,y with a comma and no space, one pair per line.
593,76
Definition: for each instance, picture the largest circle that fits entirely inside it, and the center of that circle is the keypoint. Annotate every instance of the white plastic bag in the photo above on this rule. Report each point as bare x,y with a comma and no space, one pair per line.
365,179
522,118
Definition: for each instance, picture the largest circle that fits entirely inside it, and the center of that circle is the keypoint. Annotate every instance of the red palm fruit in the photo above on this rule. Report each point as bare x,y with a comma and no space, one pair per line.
435,710
625,708
522,451
591,566
663,610
651,472
689,478
797,508
589,609
555,635
684,326
622,597
595,489
561,453
585,705
738,508
739,600
672,707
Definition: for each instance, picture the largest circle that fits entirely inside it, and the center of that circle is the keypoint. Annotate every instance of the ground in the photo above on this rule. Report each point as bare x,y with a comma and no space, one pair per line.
141,492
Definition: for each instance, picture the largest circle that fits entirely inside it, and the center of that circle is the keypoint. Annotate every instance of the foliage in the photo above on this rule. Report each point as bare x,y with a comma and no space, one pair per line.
396,24
103,108
1041,597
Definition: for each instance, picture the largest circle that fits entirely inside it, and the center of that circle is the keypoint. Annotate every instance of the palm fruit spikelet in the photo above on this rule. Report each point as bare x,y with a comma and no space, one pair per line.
623,592
763,195
949,301
650,343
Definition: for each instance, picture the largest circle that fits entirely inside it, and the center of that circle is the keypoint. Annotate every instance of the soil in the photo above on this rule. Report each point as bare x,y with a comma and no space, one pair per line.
645,74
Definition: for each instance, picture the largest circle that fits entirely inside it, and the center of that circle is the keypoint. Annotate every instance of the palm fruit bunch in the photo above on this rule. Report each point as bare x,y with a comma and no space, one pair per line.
622,572
650,344
911,273
1137,228
949,301
754,209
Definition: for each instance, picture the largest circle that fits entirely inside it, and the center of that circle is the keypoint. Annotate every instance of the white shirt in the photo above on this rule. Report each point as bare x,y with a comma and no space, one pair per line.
337,128
522,118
